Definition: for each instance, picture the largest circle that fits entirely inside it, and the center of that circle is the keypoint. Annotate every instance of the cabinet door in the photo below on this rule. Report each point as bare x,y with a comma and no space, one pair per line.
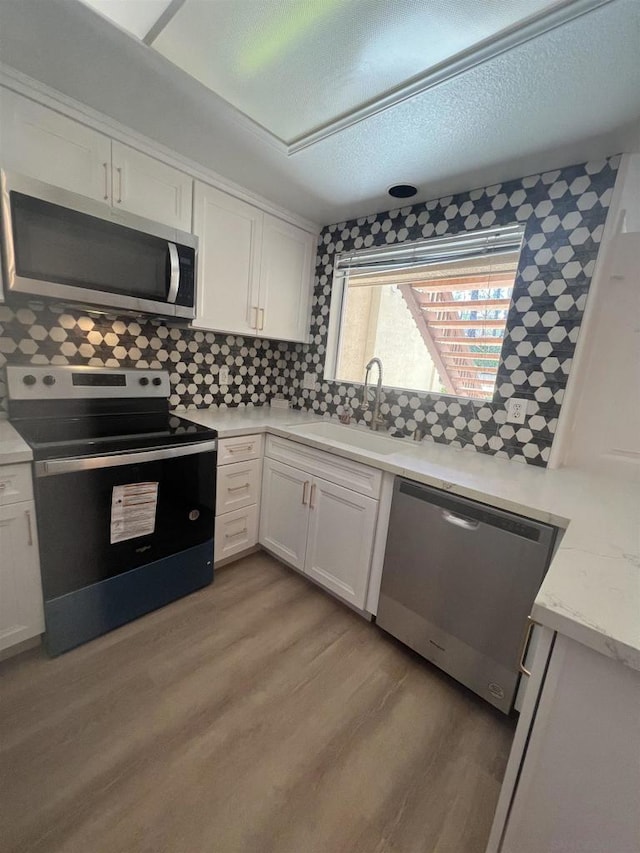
149,188
342,527
43,144
21,613
285,280
284,515
230,233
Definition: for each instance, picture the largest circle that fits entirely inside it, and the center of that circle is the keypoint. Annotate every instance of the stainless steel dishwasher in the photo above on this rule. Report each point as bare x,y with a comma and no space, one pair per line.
458,583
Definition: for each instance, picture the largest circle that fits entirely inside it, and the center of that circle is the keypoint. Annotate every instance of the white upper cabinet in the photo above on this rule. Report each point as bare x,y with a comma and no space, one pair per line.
149,188
285,276
50,147
230,237
254,270
57,150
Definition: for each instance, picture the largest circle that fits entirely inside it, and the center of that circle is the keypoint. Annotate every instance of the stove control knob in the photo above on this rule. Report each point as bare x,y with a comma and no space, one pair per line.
29,379
144,380
49,379
157,380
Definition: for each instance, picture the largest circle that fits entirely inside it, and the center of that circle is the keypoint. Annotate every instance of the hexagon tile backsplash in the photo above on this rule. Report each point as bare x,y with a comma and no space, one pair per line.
49,334
564,212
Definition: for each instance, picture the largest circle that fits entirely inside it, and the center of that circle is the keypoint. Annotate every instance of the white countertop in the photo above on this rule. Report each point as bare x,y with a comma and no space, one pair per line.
591,592
13,448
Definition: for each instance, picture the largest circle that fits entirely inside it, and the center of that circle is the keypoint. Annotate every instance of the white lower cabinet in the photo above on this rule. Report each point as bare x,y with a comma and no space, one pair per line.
342,526
21,611
317,526
237,495
573,775
235,532
284,520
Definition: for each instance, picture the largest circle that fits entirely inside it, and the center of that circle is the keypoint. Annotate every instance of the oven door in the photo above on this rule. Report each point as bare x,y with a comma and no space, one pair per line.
121,535
62,246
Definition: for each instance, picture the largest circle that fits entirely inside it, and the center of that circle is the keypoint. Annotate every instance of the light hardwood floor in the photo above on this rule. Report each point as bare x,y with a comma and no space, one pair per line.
256,716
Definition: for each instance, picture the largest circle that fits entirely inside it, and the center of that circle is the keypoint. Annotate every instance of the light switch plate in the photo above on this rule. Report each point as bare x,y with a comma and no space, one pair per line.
223,375
516,410
309,381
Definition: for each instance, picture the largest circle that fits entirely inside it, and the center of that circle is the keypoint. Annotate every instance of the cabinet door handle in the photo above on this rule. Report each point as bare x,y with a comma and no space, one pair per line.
119,171
105,166
305,485
237,533
261,326
254,325
311,496
28,514
525,646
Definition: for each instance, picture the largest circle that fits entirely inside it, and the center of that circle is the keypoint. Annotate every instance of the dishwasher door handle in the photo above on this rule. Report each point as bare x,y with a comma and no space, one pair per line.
460,521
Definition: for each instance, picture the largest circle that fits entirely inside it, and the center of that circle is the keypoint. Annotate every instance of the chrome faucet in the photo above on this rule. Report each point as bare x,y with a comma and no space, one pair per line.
377,421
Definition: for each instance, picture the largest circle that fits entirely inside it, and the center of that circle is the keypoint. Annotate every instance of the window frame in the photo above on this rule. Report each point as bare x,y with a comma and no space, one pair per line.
338,303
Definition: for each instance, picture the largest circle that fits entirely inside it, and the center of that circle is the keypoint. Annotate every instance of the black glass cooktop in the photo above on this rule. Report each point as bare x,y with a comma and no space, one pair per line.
93,435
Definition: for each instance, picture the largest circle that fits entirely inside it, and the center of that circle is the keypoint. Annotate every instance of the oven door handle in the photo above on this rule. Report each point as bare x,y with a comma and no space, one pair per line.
51,467
174,277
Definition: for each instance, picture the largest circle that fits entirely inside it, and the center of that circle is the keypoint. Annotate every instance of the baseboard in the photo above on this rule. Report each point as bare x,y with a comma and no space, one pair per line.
235,557
19,648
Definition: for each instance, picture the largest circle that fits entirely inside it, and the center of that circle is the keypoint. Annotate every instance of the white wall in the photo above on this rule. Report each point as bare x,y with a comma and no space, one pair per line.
603,421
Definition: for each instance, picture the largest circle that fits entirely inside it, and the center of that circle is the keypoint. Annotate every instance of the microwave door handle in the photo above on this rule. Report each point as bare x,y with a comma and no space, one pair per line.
174,277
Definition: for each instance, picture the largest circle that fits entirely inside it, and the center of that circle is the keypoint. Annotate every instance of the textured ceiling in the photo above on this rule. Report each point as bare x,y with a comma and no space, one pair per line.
568,95
296,65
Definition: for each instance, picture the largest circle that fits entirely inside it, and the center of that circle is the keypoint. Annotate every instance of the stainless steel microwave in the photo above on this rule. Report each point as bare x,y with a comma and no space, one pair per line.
62,246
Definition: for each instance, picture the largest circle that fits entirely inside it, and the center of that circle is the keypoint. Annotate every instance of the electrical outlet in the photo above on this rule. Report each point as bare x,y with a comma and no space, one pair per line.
516,410
223,375
309,381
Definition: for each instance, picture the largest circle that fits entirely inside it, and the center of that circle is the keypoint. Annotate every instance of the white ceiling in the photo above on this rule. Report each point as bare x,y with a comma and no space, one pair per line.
546,95
294,66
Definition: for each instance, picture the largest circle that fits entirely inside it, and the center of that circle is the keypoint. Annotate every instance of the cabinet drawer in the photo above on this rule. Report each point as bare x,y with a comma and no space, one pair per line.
15,484
343,472
239,449
238,485
235,531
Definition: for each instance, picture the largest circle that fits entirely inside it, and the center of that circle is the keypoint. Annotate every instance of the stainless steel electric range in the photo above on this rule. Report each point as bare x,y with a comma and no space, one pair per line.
125,495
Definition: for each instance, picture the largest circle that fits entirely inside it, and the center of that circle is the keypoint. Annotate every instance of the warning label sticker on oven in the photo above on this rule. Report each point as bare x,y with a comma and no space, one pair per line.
133,511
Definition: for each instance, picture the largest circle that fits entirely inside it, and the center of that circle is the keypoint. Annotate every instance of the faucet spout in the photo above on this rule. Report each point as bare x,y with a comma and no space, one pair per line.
377,421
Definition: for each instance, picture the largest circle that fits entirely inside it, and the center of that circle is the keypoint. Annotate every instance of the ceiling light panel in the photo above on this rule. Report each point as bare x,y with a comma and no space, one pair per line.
135,16
294,66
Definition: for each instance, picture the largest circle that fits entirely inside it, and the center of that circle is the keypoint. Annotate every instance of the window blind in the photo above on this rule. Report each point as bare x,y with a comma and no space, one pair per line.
480,249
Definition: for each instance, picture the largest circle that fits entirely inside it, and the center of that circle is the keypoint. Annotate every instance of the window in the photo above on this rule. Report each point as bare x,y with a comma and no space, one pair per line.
433,311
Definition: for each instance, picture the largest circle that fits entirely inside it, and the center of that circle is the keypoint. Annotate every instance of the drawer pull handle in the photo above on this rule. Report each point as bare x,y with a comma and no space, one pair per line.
106,181
238,488
28,514
313,491
3,486
240,447
237,533
304,492
525,646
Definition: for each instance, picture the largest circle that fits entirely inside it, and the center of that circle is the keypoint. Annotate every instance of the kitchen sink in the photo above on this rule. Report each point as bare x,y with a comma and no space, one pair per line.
357,437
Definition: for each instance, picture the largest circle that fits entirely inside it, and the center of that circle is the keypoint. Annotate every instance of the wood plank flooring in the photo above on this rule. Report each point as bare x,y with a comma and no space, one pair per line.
256,716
